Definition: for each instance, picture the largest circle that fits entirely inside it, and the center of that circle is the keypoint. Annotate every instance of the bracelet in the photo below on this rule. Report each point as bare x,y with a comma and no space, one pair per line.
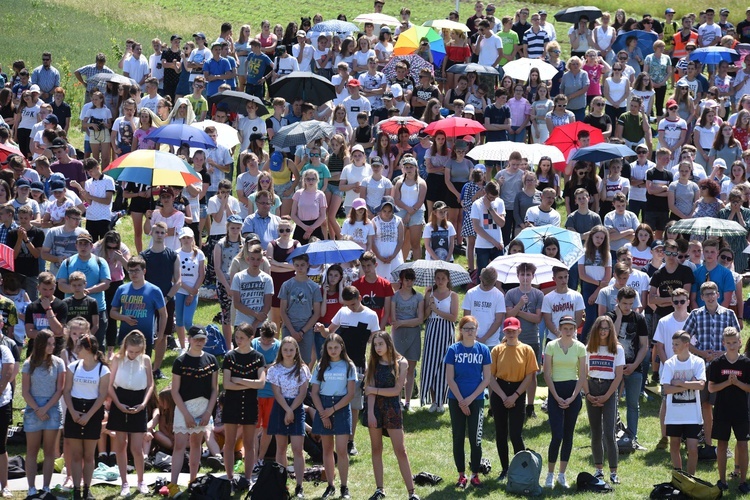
516,393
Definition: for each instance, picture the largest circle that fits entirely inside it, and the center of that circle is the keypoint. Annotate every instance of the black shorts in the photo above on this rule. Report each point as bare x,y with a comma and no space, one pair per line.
707,397
6,417
687,431
657,220
730,421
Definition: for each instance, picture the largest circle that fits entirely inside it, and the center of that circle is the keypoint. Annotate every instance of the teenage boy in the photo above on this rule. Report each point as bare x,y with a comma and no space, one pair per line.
152,97
621,224
165,274
632,334
658,178
26,242
673,275
607,298
672,322
581,221
197,101
252,290
488,218
545,213
376,291
510,182
356,324
81,303
487,304
683,377
560,302
729,378
136,304
47,312
712,271
525,303
60,241
705,325
98,192
300,307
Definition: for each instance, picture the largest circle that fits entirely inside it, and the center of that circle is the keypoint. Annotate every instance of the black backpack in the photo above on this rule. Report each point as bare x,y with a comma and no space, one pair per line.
625,442
667,490
271,483
16,467
587,482
209,487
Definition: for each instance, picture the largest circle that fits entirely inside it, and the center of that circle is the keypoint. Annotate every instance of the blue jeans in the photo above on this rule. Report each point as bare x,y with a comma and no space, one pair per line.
637,207
632,398
587,289
562,422
485,256
520,137
184,313
580,114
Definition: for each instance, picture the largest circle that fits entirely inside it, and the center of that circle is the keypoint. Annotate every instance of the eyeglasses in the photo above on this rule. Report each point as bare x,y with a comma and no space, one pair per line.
709,293
599,104
673,108
690,50
468,329
311,179
314,155
561,105
113,248
287,230
641,152
727,258
262,202
679,302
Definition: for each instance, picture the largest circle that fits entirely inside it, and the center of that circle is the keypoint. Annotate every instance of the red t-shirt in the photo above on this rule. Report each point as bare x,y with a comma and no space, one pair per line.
374,294
332,306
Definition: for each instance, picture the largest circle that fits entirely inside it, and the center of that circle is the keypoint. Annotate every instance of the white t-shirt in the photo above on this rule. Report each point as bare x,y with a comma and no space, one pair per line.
307,56
136,68
150,102
6,358
213,208
157,70
664,331
190,265
248,126
638,172
286,65
198,56
355,106
683,407
376,189
539,218
638,281
479,213
358,231
372,82
99,188
602,364
488,50
641,258
562,304
252,290
86,383
336,80
484,305
351,174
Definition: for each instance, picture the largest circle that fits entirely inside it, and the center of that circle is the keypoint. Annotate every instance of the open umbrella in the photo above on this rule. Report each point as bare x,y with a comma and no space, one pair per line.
446,24
602,152
226,134
646,41
425,271
416,64
462,69
408,43
393,125
573,14
179,134
329,252
565,137
506,265
571,248
376,18
7,150
501,150
237,101
336,26
309,86
101,79
455,127
7,259
708,226
301,133
714,55
520,69
152,168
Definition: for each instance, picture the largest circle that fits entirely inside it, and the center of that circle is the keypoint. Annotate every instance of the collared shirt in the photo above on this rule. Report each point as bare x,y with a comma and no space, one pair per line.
267,228
706,329
46,78
91,70
4,230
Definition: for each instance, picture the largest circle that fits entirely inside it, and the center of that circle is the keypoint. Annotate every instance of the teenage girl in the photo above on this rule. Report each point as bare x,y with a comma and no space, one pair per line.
407,317
439,235
409,194
594,271
331,290
192,272
358,227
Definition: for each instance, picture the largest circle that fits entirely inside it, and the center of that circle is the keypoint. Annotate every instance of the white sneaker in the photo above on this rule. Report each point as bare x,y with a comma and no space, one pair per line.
550,482
143,489
441,409
433,408
125,490
562,481
32,491
7,493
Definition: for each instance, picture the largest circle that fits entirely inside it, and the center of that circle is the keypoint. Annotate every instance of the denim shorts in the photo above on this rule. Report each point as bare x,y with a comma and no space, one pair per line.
204,210
279,190
417,219
341,421
32,423
335,191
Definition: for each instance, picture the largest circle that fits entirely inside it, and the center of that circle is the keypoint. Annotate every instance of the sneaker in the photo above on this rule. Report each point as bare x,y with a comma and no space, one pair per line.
32,491
158,375
329,492
441,409
744,488
258,466
663,443
645,396
215,462
240,483
599,474
7,493
722,485
378,495
562,481
613,478
414,496
125,490
432,408
299,492
87,495
550,481
461,483
143,489
475,482
345,492
352,449
407,408
503,476
68,484
173,490
530,411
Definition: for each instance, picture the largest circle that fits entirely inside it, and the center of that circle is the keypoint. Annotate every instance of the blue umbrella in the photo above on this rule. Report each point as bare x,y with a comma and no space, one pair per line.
602,152
336,26
571,248
646,41
179,134
714,55
329,252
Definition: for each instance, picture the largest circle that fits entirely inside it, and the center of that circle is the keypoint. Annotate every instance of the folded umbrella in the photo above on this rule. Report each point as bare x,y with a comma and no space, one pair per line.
179,134
306,85
301,133
237,101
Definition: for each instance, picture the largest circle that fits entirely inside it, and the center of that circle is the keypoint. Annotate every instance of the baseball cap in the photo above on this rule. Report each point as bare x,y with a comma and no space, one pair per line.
657,244
358,147
681,83
216,44
542,12
56,185
567,320
37,186
359,203
409,160
234,219
388,200
469,139
166,190
58,142
511,324
251,237
480,167
671,103
388,96
200,34
22,182
439,205
353,82
301,33
719,162
724,12
460,144
669,10
376,160
385,29
197,332
397,90
469,109
52,118
175,37
277,161
84,235
35,88
185,231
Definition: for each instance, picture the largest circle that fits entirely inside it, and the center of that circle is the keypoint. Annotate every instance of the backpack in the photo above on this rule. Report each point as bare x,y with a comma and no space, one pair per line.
209,487
587,482
523,473
666,490
271,483
16,467
693,487
16,434
625,442
215,343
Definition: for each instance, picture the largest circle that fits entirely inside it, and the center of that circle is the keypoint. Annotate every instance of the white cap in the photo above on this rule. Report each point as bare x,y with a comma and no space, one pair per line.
185,231
396,90
469,109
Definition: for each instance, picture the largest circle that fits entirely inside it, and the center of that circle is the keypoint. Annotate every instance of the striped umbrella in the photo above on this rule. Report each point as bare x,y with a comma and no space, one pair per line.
708,226
152,168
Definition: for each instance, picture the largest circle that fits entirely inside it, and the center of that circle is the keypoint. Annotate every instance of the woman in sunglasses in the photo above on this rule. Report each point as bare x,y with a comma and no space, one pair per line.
741,215
278,251
726,259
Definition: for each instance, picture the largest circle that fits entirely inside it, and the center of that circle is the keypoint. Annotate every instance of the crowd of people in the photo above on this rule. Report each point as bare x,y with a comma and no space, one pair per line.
313,349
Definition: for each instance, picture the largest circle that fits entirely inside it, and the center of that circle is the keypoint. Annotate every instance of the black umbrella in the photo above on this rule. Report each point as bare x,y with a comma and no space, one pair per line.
309,86
462,69
237,101
573,14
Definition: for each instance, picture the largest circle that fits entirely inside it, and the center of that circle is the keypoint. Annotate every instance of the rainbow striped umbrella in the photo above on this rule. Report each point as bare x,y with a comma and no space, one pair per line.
408,43
152,168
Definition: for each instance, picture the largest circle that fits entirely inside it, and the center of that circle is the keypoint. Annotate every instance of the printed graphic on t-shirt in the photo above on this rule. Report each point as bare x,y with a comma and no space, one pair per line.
688,396
602,363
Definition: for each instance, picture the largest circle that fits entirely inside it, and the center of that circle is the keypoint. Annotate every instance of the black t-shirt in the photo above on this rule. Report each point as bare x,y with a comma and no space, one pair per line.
601,122
171,77
520,29
36,315
86,307
424,93
570,189
497,116
658,203
12,345
730,398
743,30
632,327
160,268
665,282
62,112
244,366
196,375
27,264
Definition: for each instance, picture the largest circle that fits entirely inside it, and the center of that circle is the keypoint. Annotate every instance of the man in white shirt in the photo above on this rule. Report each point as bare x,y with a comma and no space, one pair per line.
741,83
488,217
152,97
489,47
198,56
303,52
487,304
136,66
154,63
548,27
545,213
355,103
373,84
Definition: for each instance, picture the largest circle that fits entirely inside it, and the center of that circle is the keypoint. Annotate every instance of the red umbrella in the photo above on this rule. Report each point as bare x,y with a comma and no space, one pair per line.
393,125
565,138
7,259
7,150
455,127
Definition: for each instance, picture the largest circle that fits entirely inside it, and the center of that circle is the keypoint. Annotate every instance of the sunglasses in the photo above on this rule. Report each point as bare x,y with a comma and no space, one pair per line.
682,256
314,155
727,258
287,230
680,302
669,253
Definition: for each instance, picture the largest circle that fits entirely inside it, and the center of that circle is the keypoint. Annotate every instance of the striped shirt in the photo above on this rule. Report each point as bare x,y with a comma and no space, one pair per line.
92,70
46,78
535,42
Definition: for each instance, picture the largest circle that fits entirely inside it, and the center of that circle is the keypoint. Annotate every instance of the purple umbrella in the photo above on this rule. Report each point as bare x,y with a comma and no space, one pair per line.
416,63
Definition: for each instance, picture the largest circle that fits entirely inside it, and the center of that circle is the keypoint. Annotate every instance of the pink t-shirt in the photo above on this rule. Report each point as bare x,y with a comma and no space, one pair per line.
310,205
595,78
140,134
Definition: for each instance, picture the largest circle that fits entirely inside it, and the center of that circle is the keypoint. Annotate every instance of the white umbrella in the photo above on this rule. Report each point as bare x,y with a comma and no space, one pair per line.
501,150
520,69
440,24
506,265
376,18
227,135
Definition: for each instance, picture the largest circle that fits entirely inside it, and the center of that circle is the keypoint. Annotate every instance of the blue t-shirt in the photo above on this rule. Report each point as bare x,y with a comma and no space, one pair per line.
96,270
468,364
336,378
140,303
497,116
270,356
719,275
256,67
215,68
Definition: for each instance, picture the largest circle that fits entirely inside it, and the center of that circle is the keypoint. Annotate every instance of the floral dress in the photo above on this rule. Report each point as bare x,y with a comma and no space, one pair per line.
704,209
387,409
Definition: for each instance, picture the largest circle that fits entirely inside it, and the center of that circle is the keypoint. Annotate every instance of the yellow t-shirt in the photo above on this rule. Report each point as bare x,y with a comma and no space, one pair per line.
565,365
512,363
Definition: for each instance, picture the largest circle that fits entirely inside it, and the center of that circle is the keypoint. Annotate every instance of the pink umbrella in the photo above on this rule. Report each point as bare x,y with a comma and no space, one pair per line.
455,127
